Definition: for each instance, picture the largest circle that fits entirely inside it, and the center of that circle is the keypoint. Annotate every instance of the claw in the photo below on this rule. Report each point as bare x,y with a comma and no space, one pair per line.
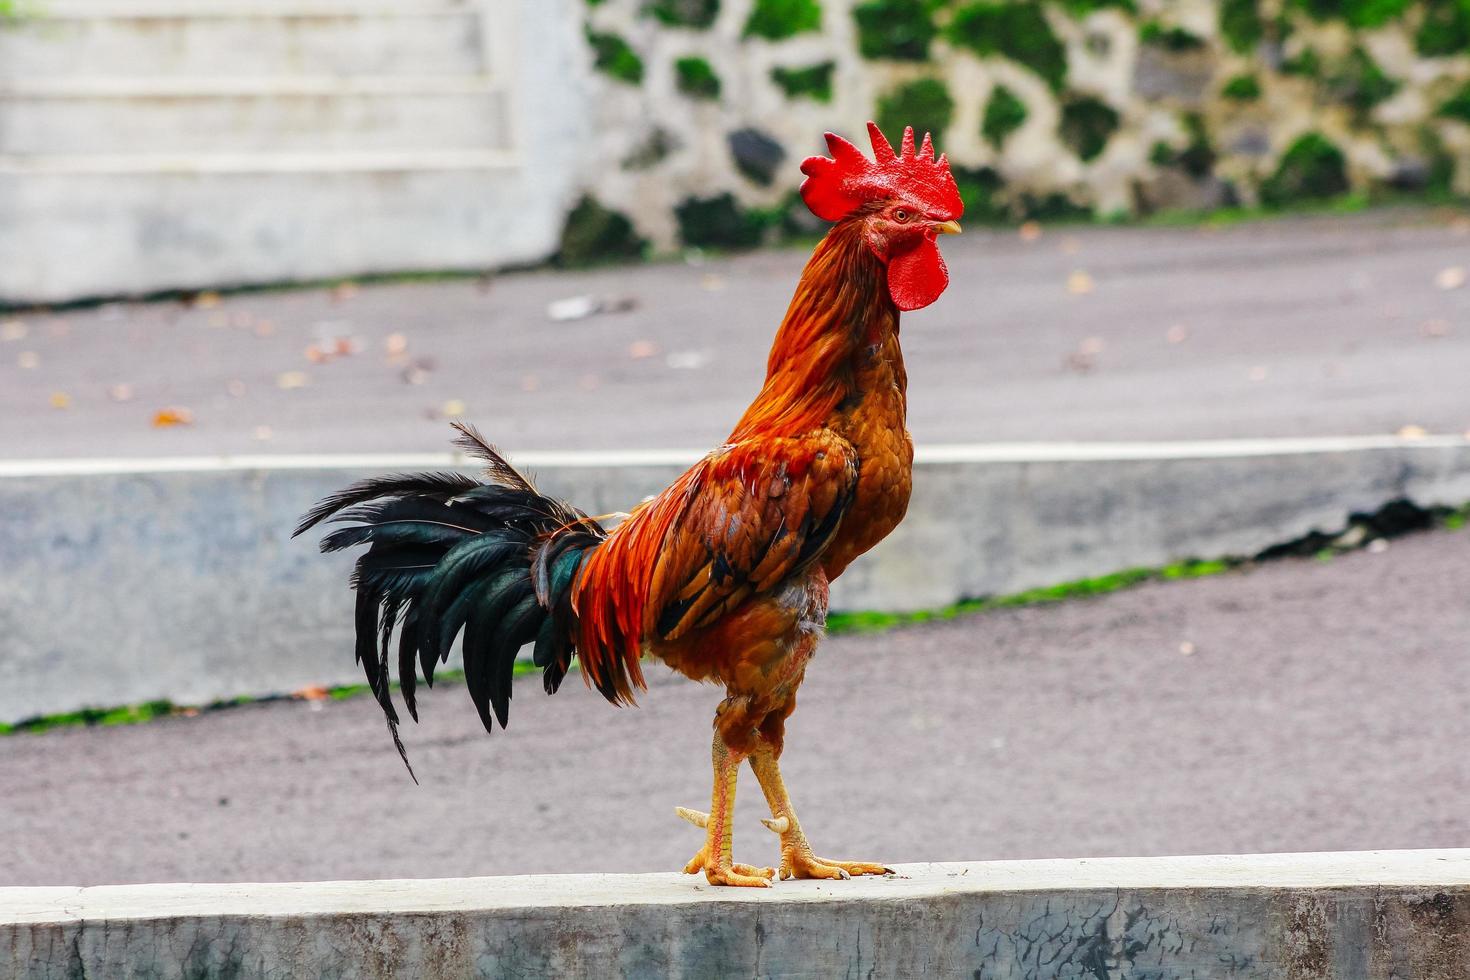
693,816
777,825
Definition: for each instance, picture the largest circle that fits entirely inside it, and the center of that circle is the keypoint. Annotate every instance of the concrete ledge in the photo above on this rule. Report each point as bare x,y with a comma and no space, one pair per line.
1400,914
126,581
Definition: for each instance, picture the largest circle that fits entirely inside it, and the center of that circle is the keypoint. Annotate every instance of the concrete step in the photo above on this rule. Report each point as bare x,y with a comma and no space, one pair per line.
1364,914
475,117
419,40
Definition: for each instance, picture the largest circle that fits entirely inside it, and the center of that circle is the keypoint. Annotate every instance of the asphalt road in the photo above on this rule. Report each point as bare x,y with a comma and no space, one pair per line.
1322,326
1324,705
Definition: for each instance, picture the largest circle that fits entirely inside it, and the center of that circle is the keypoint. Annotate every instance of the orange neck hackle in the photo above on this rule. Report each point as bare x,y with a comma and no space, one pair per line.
840,305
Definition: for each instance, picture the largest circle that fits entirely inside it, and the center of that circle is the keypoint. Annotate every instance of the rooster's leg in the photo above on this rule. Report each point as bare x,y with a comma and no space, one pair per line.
797,859
714,857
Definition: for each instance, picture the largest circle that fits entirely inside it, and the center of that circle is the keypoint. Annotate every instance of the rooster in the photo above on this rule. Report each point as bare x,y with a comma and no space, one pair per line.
724,575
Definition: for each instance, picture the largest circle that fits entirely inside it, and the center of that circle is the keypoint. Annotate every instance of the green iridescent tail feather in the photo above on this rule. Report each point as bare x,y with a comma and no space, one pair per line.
449,554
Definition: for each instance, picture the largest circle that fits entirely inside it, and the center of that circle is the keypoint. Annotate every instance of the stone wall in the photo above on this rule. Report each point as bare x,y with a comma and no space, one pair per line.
1059,108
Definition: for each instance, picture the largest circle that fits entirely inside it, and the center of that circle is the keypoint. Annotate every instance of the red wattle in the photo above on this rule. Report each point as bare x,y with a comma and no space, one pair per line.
918,276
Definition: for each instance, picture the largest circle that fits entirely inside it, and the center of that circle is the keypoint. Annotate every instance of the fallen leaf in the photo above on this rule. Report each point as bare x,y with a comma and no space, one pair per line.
452,408
168,417
1412,432
344,291
640,349
1080,283
205,301
120,392
314,693
60,399
1187,648
395,343
287,380
1450,278
1091,345
1377,546
1030,231
12,330
315,354
29,360
1177,334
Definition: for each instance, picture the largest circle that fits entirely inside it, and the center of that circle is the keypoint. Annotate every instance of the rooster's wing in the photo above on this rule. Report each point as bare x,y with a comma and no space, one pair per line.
761,511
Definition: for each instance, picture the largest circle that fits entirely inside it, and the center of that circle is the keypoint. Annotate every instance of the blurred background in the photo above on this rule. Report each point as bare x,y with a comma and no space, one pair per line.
1184,570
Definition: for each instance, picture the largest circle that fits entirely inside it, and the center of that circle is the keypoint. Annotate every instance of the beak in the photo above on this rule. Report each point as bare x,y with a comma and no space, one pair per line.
948,228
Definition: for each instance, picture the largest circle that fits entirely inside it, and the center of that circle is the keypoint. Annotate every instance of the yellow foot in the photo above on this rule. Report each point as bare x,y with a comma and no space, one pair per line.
798,861
795,864
731,874
747,875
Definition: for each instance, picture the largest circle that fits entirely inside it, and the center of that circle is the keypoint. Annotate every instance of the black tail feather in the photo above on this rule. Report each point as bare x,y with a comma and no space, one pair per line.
448,554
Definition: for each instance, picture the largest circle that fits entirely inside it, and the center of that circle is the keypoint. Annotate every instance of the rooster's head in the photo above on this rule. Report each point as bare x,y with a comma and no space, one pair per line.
905,200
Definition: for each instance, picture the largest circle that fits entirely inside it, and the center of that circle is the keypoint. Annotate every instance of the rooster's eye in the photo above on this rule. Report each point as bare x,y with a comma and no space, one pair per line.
900,215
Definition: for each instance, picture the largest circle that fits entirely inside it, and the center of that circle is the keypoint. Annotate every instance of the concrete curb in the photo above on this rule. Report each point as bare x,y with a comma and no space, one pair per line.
1401,914
130,580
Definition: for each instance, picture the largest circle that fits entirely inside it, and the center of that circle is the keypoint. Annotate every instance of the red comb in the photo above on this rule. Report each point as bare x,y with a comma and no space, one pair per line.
835,187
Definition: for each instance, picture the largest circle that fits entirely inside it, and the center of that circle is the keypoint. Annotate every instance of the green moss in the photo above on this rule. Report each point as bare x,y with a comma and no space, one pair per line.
899,30
1359,82
1306,63
979,190
1175,39
696,79
1055,206
1457,106
1312,168
813,81
1240,24
717,222
1358,13
776,20
1161,154
612,55
861,622
1445,30
1081,8
1004,114
1198,156
1017,31
1087,125
683,13
594,233
1242,88
925,105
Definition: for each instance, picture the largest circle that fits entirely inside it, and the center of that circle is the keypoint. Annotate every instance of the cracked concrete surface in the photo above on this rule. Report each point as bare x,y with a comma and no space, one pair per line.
1324,707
